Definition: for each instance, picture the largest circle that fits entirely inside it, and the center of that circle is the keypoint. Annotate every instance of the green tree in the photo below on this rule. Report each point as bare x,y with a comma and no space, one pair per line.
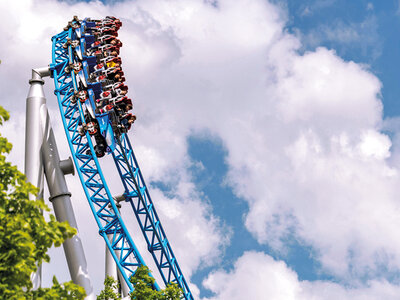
25,236
110,291
65,291
144,290
143,284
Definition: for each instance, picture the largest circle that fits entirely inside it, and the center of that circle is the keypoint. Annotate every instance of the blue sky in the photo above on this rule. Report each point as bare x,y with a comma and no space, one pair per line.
373,40
268,131
228,207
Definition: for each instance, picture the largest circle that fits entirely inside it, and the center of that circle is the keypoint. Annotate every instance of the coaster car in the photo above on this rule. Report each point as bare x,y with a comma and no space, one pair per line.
99,80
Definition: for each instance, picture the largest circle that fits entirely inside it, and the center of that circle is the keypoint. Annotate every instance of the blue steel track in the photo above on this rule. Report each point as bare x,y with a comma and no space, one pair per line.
101,202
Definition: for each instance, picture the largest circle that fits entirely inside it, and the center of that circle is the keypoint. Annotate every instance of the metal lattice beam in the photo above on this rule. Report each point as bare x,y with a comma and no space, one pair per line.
105,211
94,185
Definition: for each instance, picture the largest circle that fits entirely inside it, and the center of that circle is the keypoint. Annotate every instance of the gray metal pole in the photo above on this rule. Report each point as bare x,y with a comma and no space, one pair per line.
112,271
111,266
60,197
54,169
33,142
124,285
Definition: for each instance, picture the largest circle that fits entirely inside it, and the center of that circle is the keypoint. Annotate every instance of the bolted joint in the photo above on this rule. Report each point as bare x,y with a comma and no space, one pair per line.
59,195
41,81
116,204
38,74
119,198
67,167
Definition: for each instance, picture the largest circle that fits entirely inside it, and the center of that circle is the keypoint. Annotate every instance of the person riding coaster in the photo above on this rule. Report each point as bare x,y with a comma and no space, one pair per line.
114,74
114,100
101,103
101,145
123,106
81,95
102,40
110,60
112,106
105,31
74,24
104,28
92,127
106,78
108,46
126,122
111,93
111,72
76,67
112,63
108,31
107,22
115,86
110,24
108,52
108,40
119,108
120,99
101,53
73,43
104,109
101,69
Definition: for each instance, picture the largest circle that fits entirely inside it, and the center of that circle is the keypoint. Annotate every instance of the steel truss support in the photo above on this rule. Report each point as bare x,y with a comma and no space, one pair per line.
103,206
119,243
41,157
137,194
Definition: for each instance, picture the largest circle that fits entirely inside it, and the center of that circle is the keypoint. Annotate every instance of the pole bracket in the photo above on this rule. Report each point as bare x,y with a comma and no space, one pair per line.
119,198
67,167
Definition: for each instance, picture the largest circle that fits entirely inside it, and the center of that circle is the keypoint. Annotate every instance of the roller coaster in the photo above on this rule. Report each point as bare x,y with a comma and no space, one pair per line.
96,115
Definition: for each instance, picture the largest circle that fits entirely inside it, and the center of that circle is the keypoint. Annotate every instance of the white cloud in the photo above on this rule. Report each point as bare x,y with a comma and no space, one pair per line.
305,150
302,131
200,232
258,276
31,34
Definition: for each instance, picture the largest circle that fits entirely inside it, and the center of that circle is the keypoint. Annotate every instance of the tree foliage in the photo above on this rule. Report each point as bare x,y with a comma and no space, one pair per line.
144,288
143,284
64,291
110,291
25,236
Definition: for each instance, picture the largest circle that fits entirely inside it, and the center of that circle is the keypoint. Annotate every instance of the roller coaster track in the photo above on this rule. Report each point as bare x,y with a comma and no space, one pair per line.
103,206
